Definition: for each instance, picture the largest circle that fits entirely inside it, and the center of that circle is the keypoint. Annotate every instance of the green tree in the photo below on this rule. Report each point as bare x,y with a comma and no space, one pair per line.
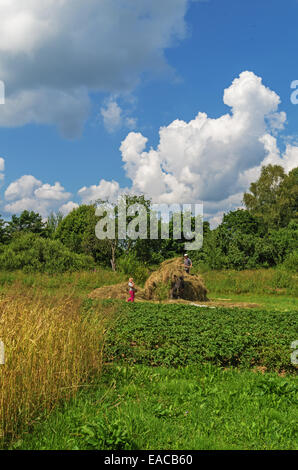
52,223
274,197
288,198
240,221
33,253
26,222
77,232
3,231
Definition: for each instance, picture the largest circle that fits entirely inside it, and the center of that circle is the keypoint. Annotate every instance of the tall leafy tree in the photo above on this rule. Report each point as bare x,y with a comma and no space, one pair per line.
273,198
288,198
77,232
240,221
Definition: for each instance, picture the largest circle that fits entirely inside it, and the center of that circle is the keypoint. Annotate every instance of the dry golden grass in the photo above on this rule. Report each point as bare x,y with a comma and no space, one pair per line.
118,291
51,349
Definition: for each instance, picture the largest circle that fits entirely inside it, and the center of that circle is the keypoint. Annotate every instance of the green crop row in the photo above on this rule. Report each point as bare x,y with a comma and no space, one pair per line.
177,335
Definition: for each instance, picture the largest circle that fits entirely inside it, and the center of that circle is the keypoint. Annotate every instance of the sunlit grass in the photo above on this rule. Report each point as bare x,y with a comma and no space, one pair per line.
195,407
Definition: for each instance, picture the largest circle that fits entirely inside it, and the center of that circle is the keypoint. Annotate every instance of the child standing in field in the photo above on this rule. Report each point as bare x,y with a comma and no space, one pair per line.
131,286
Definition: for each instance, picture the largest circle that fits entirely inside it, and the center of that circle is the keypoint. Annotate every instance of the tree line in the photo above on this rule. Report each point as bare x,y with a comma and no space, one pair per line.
264,234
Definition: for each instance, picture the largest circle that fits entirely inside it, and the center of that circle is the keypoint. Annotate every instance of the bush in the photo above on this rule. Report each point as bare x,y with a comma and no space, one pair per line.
129,265
32,253
291,262
282,279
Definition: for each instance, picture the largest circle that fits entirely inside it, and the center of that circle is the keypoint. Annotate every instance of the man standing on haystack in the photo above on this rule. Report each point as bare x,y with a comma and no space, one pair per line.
187,263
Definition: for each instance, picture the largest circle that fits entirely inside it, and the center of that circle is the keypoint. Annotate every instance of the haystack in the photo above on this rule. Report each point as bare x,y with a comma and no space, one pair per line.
194,288
116,291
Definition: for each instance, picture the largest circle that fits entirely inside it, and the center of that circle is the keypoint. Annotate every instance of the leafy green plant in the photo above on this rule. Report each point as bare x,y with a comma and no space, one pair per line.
177,334
108,435
130,266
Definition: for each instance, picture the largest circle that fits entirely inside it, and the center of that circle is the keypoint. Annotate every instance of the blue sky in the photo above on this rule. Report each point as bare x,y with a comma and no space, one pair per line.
74,94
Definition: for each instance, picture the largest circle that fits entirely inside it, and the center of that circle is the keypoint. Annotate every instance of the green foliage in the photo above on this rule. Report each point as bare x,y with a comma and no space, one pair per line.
274,197
283,279
291,261
4,237
33,253
257,282
129,265
53,223
288,198
77,232
176,335
240,242
26,222
72,228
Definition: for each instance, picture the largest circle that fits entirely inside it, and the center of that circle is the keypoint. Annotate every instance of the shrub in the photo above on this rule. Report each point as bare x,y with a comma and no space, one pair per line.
130,266
291,261
32,253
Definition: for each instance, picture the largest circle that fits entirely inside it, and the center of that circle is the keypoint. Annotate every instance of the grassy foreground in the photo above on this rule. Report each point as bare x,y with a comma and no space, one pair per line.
161,382
197,408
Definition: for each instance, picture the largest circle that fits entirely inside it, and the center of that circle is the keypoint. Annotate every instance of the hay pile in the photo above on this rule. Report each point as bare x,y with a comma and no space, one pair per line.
116,291
194,288
158,285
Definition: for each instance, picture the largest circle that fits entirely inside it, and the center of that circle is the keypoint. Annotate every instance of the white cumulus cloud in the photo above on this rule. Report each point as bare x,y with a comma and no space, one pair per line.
105,190
210,160
65,209
28,193
205,159
54,52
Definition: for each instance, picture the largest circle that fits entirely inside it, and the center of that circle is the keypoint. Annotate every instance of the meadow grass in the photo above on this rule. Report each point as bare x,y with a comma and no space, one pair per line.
273,281
77,284
267,283
194,408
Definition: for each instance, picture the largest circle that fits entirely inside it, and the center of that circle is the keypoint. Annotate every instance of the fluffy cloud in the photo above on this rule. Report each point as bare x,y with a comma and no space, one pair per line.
106,190
22,188
114,118
65,209
67,109
28,193
210,160
52,53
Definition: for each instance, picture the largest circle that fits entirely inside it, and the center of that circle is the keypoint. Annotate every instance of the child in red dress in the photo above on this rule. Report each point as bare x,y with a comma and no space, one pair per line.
131,286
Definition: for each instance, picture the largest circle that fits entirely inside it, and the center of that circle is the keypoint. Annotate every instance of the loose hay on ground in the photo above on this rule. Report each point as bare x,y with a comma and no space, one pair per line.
116,291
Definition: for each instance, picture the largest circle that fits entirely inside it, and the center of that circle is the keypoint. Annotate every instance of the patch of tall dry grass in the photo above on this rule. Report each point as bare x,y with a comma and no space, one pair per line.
50,350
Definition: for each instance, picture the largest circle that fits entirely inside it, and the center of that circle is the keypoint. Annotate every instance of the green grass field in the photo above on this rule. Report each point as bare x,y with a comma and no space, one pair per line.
175,376
193,407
